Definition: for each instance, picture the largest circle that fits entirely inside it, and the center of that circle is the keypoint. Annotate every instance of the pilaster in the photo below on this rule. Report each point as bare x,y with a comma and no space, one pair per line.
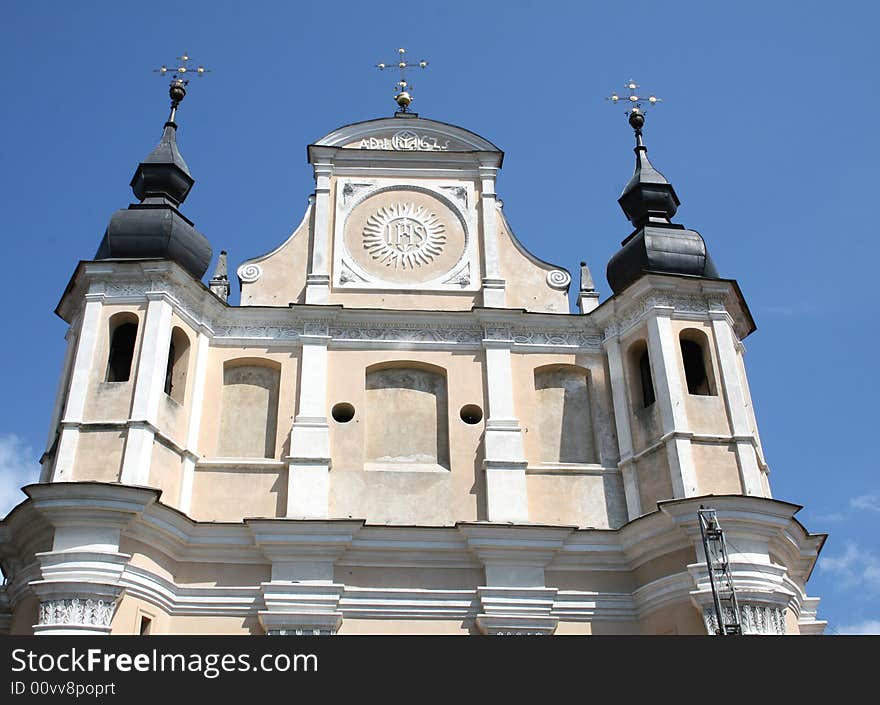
663,353
308,466
83,363
620,400
737,411
515,599
505,461
191,454
148,388
493,283
302,597
318,277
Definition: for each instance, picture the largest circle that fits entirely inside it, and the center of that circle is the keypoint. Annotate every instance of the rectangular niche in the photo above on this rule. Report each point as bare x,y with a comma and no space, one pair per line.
565,424
406,419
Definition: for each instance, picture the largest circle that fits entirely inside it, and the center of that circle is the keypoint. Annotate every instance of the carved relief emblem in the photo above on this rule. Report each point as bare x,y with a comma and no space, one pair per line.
404,236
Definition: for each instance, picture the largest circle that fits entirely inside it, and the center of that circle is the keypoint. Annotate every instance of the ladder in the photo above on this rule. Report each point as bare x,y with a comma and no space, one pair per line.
726,607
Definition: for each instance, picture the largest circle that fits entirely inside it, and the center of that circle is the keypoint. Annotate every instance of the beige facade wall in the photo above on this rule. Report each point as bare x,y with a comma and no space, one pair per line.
165,473
388,494
286,361
99,455
717,468
682,619
284,271
236,492
600,444
655,483
596,501
526,276
705,413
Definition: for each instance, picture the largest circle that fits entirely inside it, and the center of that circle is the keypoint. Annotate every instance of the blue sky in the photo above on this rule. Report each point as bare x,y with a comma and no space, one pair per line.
765,131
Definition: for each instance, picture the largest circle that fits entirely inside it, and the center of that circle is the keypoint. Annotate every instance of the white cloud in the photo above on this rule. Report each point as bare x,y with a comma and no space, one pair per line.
856,567
18,467
869,626
866,501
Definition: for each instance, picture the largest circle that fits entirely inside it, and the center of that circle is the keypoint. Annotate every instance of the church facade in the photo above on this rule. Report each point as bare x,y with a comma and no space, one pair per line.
401,428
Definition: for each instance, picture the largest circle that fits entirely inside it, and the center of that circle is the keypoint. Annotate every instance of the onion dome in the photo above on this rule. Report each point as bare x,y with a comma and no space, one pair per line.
656,245
155,227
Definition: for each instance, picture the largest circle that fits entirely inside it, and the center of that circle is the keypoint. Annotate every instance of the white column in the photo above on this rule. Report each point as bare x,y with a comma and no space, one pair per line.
318,278
308,467
505,461
493,283
83,363
663,353
735,399
620,399
148,388
191,451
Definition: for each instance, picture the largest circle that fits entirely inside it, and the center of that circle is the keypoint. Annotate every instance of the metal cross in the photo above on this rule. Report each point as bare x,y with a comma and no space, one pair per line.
634,103
179,79
402,95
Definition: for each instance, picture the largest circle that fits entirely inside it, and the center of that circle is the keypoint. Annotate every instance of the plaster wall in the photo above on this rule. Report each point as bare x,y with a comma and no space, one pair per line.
599,581
406,493
165,473
210,430
129,613
582,500
655,484
111,401
25,615
705,413
409,577
526,276
234,492
674,619
595,431
99,455
284,271
717,468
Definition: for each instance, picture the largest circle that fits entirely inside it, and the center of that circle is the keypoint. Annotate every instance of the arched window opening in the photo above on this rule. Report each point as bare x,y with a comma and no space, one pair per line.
175,370
122,341
248,410
406,416
646,380
695,361
641,380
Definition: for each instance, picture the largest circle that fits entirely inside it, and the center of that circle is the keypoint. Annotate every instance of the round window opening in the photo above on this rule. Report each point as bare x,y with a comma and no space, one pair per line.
343,412
471,413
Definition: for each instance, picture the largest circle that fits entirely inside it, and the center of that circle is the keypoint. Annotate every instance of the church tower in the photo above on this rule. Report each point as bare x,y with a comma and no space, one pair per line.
401,428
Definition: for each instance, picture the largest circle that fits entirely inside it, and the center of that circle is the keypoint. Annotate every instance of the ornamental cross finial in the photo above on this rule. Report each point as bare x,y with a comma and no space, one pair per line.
634,102
179,80
402,95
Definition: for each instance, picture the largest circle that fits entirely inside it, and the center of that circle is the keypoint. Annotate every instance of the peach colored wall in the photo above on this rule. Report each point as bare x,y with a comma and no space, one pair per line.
99,455
210,426
165,473
444,496
717,468
655,483
235,492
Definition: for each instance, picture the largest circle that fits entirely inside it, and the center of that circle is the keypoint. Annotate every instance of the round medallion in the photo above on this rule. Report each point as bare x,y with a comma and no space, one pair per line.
404,235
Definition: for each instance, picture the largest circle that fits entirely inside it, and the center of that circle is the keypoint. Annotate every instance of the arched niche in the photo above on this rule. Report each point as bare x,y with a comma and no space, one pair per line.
406,415
249,408
564,411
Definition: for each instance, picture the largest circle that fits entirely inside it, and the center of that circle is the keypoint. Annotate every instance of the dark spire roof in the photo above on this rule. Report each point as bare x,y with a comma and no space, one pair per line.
656,245
155,227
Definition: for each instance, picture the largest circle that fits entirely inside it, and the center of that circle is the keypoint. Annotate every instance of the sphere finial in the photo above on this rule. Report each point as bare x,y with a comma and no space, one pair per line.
179,80
635,113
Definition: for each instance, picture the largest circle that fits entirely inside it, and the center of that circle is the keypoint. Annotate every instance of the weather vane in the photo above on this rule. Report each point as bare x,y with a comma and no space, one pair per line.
634,100
179,80
402,95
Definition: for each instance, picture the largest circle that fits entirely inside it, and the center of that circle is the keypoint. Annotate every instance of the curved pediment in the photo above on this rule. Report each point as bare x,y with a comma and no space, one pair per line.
406,134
